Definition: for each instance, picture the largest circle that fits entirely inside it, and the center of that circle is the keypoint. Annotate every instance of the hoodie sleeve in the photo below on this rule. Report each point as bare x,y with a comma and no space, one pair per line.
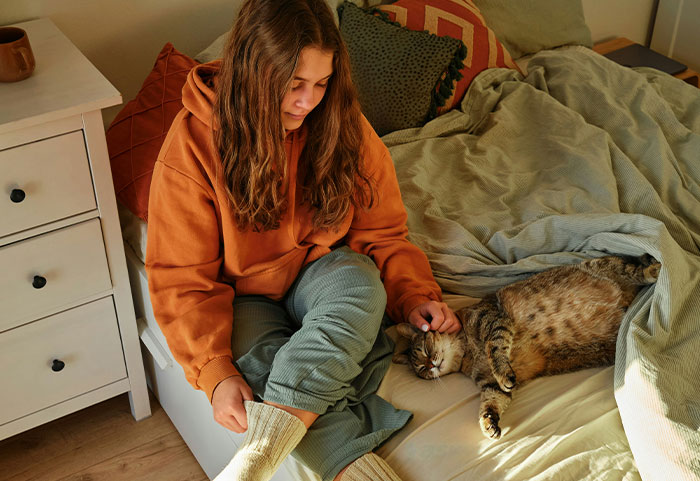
183,258
380,232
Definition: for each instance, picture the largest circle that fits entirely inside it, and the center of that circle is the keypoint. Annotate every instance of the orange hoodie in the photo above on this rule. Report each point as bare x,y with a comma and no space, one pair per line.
197,259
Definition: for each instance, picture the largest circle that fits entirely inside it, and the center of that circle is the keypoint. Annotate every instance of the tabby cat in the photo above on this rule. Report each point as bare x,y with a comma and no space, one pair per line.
560,320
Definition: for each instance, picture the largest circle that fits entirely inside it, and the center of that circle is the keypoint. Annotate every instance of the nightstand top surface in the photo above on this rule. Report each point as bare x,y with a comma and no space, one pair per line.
64,82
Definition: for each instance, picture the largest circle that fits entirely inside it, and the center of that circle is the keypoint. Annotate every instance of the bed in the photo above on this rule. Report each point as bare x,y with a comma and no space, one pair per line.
565,157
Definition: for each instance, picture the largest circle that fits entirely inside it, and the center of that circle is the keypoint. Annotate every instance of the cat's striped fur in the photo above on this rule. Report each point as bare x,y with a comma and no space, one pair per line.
560,320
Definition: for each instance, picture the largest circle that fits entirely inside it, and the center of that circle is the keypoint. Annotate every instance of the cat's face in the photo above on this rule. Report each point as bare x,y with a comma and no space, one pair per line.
431,354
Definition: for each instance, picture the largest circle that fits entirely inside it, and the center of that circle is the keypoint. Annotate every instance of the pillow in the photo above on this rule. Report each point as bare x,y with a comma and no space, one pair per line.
214,50
137,132
528,26
461,20
401,75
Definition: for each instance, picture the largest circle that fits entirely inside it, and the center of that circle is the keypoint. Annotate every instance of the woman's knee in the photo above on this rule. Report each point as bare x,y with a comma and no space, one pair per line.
355,286
357,274
345,286
258,321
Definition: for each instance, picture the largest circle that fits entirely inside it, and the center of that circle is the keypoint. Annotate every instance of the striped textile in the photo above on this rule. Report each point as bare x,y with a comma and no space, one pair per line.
321,349
581,158
459,19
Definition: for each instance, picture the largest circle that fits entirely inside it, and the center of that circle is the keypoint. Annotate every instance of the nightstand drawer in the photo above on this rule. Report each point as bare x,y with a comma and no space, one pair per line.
44,181
45,273
59,357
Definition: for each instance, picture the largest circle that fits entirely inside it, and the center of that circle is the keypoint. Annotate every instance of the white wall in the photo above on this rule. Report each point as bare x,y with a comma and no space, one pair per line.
677,31
123,37
619,18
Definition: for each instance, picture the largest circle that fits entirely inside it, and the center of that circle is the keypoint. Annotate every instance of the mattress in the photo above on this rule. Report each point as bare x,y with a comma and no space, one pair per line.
564,427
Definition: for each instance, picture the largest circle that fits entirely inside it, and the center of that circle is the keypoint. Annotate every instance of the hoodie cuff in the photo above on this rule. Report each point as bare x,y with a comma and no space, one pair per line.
213,372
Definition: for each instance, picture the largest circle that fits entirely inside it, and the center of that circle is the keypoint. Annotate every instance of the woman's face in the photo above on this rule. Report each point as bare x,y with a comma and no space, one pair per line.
309,84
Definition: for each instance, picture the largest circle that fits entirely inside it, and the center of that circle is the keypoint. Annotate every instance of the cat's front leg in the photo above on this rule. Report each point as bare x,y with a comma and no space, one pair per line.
494,328
494,402
498,357
497,348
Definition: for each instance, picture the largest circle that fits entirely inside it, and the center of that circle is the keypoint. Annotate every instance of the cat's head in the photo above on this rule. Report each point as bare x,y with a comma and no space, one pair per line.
431,354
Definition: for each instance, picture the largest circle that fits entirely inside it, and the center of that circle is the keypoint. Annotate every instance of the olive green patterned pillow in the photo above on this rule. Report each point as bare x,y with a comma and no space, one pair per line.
401,75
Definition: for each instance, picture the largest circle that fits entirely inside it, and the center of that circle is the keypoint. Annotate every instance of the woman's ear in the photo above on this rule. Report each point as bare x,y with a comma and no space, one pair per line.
409,331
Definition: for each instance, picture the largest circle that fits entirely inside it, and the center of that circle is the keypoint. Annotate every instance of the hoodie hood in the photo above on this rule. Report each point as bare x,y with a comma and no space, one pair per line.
198,95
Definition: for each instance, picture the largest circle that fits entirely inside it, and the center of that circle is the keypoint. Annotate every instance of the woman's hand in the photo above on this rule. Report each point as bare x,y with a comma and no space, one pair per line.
227,403
434,316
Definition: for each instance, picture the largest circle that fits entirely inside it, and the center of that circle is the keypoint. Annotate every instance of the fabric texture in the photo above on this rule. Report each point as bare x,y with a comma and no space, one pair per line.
580,159
370,467
558,427
322,349
528,26
526,178
460,20
137,132
271,435
198,260
402,76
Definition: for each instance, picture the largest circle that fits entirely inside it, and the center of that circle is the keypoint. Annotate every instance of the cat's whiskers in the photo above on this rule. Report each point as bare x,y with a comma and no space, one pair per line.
587,302
439,382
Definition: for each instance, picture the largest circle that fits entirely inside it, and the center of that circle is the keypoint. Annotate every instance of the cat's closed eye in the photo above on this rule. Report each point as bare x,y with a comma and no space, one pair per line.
430,354
560,320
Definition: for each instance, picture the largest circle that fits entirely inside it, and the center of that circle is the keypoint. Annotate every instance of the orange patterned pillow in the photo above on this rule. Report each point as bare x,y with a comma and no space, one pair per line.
458,19
137,132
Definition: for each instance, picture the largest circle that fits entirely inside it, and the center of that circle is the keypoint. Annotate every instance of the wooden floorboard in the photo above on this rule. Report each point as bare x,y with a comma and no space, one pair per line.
102,442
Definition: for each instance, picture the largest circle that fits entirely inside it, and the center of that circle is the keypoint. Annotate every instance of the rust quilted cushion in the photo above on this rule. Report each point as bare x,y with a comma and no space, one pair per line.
459,19
137,132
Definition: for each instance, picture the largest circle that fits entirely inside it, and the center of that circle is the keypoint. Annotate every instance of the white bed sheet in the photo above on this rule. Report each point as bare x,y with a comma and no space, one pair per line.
563,427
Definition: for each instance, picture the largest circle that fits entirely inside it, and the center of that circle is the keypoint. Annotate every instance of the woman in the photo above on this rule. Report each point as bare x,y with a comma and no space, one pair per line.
277,240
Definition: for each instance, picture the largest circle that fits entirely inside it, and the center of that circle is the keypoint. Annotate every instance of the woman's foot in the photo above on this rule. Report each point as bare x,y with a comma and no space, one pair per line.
272,434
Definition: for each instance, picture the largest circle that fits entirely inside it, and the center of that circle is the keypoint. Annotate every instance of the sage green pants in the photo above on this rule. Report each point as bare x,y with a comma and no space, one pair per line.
322,349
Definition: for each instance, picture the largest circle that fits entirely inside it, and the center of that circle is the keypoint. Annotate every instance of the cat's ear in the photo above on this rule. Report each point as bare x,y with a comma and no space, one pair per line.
407,330
401,358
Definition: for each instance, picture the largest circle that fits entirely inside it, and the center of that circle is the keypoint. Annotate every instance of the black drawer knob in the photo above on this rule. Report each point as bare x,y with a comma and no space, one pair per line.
39,282
17,195
57,365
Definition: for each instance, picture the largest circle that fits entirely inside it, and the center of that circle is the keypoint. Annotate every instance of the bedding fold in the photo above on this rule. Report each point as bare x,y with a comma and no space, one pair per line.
580,158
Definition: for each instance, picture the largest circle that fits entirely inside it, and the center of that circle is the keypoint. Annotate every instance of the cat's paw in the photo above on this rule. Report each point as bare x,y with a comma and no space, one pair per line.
506,380
651,273
509,383
489,424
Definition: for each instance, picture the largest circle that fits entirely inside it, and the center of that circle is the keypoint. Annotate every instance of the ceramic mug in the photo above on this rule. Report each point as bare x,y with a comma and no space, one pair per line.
16,57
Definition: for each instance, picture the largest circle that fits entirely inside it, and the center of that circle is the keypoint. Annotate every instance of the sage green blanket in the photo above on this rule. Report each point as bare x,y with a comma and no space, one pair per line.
580,158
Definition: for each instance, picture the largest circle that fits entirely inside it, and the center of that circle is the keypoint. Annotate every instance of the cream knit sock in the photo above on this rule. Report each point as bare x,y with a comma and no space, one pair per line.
369,467
272,434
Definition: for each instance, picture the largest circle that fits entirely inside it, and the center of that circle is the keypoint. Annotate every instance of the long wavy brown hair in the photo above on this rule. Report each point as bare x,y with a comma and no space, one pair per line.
257,69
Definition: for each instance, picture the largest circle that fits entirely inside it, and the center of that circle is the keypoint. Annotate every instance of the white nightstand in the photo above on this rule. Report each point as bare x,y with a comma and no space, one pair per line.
68,336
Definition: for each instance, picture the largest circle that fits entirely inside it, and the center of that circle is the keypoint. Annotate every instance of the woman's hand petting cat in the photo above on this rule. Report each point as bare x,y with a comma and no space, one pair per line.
434,316
227,403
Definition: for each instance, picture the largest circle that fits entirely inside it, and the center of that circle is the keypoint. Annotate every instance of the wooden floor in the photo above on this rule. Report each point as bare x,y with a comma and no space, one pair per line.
100,443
